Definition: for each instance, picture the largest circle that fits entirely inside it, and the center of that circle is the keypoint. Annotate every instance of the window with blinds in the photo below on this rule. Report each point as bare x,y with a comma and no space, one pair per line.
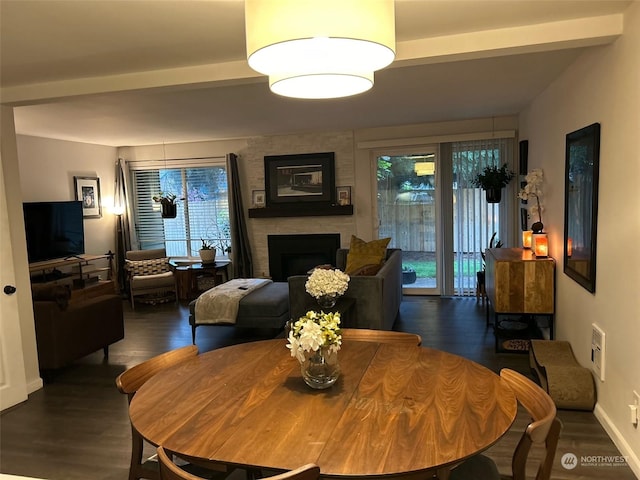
474,220
203,209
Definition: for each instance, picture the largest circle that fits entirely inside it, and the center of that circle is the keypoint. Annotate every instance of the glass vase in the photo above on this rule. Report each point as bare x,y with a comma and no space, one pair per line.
327,301
320,369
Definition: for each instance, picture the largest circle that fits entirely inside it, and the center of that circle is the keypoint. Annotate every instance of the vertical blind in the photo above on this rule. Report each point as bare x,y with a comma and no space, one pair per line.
202,206
475,220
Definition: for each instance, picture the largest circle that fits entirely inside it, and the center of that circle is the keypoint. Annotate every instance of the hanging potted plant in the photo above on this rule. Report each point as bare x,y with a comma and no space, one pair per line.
492,180
167,203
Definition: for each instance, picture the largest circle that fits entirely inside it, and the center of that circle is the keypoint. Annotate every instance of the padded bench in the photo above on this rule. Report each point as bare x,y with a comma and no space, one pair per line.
265,307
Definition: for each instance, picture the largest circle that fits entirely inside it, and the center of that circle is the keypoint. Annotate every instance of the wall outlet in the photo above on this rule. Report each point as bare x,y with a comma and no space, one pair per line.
635,409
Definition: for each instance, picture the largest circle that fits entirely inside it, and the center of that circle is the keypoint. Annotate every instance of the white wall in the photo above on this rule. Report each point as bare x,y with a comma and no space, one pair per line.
602,86
17,267
45,171
47,168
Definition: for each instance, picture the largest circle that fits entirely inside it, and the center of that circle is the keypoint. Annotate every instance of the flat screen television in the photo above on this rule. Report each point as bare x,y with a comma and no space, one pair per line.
53,229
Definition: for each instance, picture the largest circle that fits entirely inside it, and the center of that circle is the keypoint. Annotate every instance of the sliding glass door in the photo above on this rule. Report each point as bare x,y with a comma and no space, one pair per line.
407,207
428,205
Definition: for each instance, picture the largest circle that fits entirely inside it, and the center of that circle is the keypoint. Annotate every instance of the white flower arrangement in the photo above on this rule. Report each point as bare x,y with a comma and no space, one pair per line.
327,282
533,189
314,331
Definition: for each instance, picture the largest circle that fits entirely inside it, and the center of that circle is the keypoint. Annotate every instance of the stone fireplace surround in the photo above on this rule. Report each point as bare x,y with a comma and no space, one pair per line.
296,254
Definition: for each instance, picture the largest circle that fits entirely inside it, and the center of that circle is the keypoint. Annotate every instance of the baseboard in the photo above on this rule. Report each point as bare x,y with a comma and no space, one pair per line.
34,385
618,439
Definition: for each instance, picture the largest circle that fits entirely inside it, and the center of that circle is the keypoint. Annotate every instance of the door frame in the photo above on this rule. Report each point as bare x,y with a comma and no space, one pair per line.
413,150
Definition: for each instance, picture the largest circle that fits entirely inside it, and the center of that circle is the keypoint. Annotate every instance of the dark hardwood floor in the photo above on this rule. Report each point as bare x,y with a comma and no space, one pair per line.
77,426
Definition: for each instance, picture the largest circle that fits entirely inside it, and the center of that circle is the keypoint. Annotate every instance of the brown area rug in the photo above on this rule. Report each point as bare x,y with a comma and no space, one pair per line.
516,345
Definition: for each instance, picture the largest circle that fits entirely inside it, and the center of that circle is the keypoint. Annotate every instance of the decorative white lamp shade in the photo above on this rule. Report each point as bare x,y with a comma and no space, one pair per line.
319,48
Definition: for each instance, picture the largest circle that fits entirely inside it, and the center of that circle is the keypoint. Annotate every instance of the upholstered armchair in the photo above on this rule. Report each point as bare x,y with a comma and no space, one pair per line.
149,273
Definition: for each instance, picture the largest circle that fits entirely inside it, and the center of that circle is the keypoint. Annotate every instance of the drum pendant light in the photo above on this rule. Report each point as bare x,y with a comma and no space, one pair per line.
319,48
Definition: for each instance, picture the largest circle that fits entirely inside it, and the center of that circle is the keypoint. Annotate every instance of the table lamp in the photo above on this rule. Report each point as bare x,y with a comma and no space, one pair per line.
540,245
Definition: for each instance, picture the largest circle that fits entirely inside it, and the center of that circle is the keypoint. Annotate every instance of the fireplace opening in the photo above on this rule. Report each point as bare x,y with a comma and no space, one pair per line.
297,254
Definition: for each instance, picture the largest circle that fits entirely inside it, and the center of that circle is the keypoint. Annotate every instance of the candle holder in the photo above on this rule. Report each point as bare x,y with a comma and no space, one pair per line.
526,238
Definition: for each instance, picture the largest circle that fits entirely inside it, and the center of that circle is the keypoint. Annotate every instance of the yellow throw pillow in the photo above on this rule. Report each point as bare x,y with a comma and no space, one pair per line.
363,253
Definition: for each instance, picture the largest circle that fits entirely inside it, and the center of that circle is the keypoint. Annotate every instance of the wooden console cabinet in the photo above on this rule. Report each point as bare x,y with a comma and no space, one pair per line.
519,283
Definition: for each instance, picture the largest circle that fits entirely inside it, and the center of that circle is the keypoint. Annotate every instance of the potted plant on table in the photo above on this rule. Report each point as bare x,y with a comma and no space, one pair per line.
533,190
480,274
409,275
326,285
207,252
492,180
315,340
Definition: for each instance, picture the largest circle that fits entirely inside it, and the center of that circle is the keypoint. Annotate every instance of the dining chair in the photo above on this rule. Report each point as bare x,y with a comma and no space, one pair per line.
544,429
170,471
380,336
128,382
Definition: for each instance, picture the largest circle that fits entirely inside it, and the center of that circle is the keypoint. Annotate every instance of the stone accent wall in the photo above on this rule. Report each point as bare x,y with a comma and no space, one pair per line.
252,171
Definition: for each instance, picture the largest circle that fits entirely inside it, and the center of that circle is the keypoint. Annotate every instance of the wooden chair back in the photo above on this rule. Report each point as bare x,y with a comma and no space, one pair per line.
544,428
380,336
170,471
129,381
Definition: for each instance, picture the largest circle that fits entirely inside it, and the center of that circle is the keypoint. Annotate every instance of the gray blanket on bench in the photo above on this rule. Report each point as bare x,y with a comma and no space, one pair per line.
220,304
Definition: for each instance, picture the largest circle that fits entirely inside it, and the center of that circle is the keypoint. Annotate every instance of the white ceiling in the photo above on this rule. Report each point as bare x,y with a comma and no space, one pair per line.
135,72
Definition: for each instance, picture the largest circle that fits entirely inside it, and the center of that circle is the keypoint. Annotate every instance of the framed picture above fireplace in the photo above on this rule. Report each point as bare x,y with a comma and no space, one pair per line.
302,178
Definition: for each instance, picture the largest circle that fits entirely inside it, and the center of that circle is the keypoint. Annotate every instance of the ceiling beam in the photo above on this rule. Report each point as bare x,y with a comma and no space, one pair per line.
576,33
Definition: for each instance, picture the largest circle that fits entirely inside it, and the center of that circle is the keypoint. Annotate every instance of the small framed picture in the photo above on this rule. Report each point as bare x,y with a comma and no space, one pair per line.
524,219
522,185
343,195
88,191
258,198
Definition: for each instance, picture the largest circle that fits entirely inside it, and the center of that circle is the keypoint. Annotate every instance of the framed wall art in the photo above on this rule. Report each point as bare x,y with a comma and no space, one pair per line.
524,157
295,179
524,219
257,198
87,190
343,195
582,162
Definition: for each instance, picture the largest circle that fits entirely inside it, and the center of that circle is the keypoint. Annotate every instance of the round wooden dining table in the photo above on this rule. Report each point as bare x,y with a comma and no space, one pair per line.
395,410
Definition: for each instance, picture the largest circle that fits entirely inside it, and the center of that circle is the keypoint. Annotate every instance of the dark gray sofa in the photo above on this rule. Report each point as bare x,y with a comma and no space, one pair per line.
377,297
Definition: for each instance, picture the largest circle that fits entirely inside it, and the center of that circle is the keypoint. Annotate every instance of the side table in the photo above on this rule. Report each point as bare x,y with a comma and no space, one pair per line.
518,283
187,276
